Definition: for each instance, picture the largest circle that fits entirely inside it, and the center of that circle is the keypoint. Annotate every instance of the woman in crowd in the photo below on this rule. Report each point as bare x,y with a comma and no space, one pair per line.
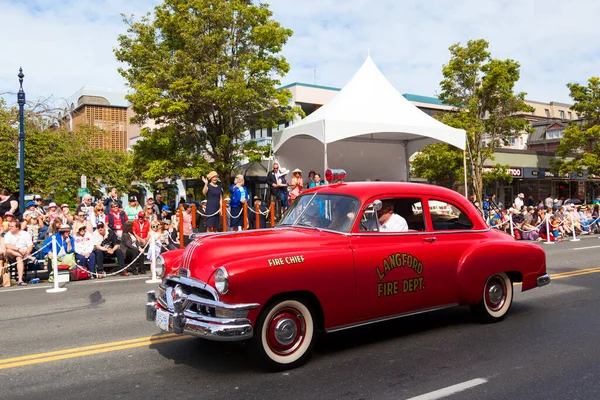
116,219
9,203
84,248
154,236
187,223
239,196
131,249
317,181
132,208
311,179
171,231
297,184
8,218
99,215
81,221
283,184
52,213
65,215
214,198
529,232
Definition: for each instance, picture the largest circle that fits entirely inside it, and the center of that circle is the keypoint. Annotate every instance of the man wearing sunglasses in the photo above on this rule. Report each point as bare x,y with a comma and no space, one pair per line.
141,228
107,244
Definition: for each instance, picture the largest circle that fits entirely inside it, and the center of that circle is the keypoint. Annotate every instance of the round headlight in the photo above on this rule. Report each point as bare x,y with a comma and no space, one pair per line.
160,266
222,280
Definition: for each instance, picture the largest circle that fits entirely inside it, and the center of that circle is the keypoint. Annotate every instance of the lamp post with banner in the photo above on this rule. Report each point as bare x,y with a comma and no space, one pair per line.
21,101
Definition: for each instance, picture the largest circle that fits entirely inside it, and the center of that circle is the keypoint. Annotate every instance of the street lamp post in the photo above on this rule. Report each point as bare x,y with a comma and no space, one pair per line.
21,101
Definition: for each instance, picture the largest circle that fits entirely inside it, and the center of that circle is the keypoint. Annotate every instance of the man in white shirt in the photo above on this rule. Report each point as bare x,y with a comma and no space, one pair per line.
18,247
390,222
519,201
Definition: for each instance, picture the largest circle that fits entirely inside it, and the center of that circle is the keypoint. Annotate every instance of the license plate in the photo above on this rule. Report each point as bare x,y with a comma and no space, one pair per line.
162,320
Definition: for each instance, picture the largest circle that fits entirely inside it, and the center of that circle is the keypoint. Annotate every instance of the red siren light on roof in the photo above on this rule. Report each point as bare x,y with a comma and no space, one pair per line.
335,175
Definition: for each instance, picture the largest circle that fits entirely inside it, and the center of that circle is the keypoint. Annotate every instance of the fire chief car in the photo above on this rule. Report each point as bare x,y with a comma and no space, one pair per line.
342,256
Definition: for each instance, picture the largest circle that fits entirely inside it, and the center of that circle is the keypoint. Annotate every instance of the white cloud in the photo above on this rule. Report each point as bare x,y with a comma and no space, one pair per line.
65,45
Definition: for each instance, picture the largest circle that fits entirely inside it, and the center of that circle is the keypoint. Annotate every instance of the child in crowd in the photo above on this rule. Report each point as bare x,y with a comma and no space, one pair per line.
555,223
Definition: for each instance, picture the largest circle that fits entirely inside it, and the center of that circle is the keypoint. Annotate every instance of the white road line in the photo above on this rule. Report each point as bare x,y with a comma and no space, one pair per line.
33,286
450,390
585,248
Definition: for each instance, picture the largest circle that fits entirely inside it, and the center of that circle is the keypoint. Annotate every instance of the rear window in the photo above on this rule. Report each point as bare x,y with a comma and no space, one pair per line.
447,216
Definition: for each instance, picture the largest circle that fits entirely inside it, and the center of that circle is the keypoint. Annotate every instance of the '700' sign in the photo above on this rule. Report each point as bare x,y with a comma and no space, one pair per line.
511,171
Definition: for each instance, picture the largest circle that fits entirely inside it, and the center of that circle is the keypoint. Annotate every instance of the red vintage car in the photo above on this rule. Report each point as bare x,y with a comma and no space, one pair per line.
342,256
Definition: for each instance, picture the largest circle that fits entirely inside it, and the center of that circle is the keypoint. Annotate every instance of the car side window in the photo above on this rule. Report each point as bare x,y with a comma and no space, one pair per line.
397,214
446,216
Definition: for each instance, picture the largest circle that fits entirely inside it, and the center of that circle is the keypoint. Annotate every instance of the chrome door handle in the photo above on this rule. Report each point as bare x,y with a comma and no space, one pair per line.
430,239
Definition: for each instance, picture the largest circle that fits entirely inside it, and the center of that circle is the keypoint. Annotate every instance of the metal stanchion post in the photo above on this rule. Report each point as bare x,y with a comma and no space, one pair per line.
54,262
575,239
245,208
181,241
272,213
154,278
257,209
224,214
194,215
512,227
548,233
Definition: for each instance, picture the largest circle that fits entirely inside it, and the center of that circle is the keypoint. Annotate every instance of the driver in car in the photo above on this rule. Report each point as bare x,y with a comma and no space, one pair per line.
388,221
312,217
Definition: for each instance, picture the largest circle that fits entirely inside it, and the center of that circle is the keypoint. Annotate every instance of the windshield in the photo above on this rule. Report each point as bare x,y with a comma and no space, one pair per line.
322,211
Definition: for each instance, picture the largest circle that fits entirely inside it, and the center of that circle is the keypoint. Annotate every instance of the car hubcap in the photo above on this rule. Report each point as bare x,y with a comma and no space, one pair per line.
286,331
495,293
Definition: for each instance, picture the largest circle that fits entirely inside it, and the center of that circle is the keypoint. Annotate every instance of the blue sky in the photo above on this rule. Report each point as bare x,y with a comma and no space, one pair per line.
63,45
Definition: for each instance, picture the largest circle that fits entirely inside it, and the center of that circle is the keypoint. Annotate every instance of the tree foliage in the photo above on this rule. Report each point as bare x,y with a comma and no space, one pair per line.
438,163
579,148
481,89
55,159
205,71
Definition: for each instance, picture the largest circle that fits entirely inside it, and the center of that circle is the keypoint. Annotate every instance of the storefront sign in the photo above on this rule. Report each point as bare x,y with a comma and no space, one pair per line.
516,172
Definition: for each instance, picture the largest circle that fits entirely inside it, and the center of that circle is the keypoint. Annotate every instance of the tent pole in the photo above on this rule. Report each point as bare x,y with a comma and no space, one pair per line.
465,172
325,151
407,164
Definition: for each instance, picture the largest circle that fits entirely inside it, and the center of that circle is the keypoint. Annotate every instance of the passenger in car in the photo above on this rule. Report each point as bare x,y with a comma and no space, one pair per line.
388,221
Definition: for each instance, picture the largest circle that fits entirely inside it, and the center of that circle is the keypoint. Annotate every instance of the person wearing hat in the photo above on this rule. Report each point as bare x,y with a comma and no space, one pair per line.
18,246
8,218
65,249
84,248
132,208
239,196
297,184
32,222
283,188
214,197
518,203
165,212
141,228
274,188
107,244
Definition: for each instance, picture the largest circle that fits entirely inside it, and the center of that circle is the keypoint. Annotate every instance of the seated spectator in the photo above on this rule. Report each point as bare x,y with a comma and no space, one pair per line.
132,208
84,249
141,228
86,208
155,209
39,207
116,219
150,213
131,249
65,215
8,218
529,232
18,246
173,242
32,222
65,248
99,215
52,214
9,203
79,221
389,221
165,212
107,244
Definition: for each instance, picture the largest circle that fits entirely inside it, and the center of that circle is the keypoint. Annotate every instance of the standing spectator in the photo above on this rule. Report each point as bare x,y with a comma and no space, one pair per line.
86,207
311,179
297,184
65,248
239,196
549,201
150,212
283,193
39,207
132,208
155,209
317,181
530,202
65,215
156,237
32,222
518,203
486,207
99,215
84,248
274,188
107,244
9,203
141,227
81,221
187,223
159,202
116,219
131,248
18,248
113,197
214,198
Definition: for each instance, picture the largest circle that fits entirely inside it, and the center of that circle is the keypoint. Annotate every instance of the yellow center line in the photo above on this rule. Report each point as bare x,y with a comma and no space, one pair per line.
65,356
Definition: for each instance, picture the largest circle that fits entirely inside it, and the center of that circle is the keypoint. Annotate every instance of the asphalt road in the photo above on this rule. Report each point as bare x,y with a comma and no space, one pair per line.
101,347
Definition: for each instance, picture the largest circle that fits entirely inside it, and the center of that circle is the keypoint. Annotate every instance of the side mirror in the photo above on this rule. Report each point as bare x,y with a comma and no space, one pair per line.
377,204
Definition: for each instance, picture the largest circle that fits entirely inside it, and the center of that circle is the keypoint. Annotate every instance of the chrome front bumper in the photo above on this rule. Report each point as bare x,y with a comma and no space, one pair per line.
543,280
198,316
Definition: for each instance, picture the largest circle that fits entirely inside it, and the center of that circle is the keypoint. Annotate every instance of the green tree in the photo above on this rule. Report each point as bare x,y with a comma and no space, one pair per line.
579,148
438,163
205,71
481,89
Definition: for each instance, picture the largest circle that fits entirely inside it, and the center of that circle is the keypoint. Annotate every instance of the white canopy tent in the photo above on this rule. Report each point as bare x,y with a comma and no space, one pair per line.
369,129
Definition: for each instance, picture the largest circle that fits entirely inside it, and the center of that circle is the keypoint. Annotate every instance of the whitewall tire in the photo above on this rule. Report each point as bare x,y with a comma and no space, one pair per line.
496,299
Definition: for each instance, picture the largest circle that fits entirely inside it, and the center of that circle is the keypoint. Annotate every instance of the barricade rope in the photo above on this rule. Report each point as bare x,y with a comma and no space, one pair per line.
119,271
209,215
237,216
265,213
29,256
